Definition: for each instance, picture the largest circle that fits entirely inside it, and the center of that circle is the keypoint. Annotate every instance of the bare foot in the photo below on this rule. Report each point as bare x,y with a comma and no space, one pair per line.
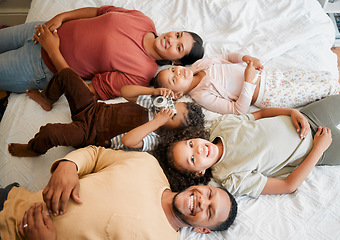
21,150
38,97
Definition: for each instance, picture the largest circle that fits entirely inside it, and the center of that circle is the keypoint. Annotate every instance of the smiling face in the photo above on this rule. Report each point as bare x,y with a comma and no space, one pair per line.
202,206
173,45
177,79
195,155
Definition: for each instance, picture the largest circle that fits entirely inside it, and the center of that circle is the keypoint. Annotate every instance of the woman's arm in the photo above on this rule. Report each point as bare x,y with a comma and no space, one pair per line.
50,42
134,138
322,141
79,13
58,20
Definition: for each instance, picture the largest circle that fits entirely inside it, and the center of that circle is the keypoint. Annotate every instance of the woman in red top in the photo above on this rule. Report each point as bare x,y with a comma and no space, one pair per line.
111,46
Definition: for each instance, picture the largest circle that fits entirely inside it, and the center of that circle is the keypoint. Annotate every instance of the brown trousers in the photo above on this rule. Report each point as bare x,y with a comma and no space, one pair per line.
93,123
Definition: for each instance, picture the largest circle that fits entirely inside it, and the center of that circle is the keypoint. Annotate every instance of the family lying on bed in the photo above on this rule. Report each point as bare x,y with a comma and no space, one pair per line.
244,154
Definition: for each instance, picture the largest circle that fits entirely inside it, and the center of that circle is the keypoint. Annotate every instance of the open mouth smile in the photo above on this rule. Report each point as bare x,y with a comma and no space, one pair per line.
207,150
192,203
164,43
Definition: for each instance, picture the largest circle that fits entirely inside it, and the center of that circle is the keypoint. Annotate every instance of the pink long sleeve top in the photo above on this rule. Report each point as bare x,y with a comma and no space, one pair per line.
223,89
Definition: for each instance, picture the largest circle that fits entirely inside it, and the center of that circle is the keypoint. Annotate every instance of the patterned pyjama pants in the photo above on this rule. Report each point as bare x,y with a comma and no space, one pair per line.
290,89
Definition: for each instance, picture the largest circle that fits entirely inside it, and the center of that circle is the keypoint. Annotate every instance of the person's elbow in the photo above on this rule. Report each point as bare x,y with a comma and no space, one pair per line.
127,142
124,91
289,187
279,186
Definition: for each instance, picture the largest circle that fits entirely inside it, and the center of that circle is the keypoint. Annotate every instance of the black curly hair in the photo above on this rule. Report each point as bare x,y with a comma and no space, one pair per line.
163,153
195,117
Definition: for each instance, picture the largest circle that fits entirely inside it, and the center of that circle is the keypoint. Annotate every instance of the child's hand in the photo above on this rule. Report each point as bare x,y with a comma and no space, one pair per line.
164,116
256,62
300,122
322,139
167,92
48,40
250,73
163,92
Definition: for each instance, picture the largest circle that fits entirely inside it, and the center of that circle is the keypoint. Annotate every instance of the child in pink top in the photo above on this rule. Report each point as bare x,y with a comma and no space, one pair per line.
224,85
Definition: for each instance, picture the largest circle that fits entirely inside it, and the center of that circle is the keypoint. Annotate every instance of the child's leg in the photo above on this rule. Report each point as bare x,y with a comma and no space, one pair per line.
75,89
40,98
21,150
51,135
326,112
296,88
21,65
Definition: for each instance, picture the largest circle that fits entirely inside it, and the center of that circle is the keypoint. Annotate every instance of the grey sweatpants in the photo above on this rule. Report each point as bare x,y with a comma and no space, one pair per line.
326,112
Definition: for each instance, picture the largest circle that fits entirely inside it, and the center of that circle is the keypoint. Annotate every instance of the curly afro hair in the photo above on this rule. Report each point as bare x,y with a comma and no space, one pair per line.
180,181
195,115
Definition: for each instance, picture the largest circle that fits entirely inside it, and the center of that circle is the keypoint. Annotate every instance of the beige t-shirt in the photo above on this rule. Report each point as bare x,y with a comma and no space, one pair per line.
255,150
121,199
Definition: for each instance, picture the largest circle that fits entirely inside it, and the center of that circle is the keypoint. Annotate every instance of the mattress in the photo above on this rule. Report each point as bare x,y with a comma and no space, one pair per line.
283,34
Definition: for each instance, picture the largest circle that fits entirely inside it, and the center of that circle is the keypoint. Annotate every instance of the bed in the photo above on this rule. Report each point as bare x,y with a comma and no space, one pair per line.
283,34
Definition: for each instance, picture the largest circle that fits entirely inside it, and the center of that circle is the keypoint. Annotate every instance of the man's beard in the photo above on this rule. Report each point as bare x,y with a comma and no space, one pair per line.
178,213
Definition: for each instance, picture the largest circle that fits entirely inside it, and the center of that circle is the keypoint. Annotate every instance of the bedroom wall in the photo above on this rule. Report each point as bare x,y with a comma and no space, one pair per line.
13,12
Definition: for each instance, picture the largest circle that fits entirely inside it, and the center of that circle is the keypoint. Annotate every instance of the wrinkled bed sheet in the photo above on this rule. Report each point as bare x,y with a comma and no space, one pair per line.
283,34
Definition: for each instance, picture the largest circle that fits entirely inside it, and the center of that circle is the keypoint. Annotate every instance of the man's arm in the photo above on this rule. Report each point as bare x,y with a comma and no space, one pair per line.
63,184
322,141
299,121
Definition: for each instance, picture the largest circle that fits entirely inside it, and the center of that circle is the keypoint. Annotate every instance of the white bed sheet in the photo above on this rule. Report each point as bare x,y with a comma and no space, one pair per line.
283,34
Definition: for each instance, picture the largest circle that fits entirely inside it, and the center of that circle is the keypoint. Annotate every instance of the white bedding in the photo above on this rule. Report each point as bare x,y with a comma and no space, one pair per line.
283,34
